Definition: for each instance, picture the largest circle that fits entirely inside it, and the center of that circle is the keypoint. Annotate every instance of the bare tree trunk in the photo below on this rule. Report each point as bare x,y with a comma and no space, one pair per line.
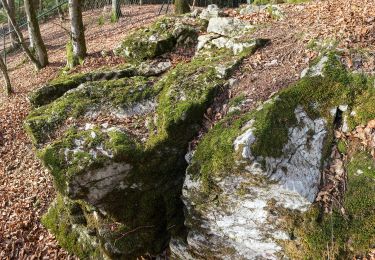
116,10
78,42
35,4
4,70
20,38
34,33
181,6
12,35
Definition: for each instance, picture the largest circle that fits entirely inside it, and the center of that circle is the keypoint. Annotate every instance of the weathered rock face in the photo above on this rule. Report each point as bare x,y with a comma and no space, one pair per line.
115,143
254,177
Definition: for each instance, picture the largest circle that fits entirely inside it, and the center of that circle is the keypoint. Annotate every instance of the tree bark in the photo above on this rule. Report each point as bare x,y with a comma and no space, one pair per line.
4,70
116,10
20,38
181,6
77,33
35,35
12,35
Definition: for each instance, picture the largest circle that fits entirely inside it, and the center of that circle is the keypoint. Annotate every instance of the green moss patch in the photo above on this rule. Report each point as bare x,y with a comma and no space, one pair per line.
155,40
318,96
214,155
59,220
59,86
94,96
79,151
339,236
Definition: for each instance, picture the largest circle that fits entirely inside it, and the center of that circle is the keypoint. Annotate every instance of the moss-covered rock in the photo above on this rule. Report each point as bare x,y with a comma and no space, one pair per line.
107,97
157,39
337,235
59,86
260,168
61,220
125,175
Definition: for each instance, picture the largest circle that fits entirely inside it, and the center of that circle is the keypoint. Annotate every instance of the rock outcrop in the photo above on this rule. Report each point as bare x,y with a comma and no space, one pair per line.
254,176
115,142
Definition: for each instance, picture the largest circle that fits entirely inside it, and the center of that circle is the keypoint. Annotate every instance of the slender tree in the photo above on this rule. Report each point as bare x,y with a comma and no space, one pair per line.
4,70
20,38
77,47
35,35
12,35
116,10
35,5
181,6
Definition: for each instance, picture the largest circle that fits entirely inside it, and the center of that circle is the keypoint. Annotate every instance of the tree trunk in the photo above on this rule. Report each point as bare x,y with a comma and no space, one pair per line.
35,5
181,6
77,33
12,35
4,70
116,10
20,38
35,35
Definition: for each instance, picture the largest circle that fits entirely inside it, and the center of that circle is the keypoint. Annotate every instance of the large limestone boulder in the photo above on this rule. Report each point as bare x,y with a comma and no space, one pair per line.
252,181
115,146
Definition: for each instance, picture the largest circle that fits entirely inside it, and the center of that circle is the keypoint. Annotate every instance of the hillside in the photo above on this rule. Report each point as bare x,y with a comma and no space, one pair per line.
231,108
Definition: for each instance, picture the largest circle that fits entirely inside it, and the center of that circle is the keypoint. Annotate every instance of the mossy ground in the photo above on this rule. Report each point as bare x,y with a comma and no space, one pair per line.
339,236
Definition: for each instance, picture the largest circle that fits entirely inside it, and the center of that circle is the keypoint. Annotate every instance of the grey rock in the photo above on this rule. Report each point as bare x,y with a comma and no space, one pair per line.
212,11
204,39
316,70
241,225
154,68
227,26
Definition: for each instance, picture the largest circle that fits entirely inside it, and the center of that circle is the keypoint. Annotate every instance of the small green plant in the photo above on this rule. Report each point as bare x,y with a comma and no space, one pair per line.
101,20
114,18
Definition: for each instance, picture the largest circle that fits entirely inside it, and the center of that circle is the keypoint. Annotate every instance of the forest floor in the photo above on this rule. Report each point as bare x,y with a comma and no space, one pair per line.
26,188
